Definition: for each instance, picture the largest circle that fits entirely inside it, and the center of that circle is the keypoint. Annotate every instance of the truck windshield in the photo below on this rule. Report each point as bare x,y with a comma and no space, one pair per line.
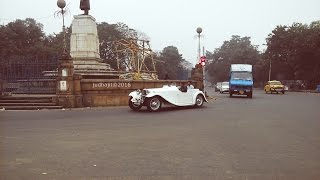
241,75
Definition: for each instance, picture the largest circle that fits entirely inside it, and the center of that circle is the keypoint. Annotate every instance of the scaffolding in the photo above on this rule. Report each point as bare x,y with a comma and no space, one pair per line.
136,59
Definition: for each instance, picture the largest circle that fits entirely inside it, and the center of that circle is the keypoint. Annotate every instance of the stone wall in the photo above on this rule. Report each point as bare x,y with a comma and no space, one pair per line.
115,92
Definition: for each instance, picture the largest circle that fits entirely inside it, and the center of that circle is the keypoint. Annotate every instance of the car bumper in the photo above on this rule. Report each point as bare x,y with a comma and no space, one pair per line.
277,90
241,92
224,90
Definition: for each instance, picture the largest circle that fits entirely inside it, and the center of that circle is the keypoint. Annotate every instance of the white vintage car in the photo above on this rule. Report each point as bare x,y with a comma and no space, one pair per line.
155,98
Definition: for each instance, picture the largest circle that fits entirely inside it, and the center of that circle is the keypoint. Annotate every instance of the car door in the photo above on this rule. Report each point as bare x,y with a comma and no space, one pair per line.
185,98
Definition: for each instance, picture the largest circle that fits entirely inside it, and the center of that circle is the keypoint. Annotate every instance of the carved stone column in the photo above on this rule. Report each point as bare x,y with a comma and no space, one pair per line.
65,83
197,75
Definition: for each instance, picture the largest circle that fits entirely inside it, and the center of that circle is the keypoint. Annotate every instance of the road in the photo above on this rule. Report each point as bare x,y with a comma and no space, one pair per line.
271,136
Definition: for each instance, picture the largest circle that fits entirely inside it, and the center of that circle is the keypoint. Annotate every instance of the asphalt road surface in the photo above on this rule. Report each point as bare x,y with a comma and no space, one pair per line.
271,136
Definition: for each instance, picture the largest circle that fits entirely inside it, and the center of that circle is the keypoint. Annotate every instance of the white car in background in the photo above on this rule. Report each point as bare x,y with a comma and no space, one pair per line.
155,98
218,86
224,87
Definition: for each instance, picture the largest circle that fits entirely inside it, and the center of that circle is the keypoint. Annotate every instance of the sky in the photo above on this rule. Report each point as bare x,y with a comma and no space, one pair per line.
174,22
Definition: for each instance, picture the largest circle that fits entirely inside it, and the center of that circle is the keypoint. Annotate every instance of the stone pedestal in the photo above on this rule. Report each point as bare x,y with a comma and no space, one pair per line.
84,47
197,75
66,88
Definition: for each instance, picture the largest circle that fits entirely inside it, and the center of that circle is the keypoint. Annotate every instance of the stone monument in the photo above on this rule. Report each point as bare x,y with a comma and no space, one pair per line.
84,45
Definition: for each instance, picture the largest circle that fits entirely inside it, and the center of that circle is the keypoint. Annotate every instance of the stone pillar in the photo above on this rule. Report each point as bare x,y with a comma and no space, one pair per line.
65,83
77,90
197,75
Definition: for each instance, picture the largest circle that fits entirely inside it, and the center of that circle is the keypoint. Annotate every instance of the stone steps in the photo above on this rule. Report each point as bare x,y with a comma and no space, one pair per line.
28,102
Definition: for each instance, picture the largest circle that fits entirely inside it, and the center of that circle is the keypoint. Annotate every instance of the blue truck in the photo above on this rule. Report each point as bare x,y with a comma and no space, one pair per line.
241,81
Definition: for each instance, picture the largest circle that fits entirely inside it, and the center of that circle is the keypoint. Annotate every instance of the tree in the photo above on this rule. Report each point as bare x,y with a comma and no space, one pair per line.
295,51
21,38
108,34
238,50
171,63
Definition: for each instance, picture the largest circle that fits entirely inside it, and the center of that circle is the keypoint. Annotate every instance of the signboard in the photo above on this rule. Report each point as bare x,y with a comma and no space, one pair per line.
63,86
64,72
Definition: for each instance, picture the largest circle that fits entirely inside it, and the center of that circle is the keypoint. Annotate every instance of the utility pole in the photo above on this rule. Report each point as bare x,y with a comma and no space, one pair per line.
270,70
204,72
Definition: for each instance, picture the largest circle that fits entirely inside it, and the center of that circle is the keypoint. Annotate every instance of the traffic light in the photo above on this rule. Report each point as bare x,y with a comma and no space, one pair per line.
203,60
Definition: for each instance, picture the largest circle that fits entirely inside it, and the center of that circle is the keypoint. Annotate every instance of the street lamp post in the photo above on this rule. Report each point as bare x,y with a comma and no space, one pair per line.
62,4
199,31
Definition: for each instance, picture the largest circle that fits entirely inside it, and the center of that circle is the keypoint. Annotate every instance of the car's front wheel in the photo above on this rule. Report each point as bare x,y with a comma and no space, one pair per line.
199,101
134,106
154,103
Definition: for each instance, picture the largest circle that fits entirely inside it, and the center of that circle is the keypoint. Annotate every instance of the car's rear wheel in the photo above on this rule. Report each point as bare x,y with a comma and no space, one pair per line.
249,95
199,100
154,103
134,106
282,92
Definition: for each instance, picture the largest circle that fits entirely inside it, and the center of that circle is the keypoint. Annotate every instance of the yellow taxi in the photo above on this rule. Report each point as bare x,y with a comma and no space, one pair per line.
274,86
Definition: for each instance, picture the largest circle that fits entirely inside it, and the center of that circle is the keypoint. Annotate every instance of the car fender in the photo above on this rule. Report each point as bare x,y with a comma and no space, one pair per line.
136,96
196,94
167,97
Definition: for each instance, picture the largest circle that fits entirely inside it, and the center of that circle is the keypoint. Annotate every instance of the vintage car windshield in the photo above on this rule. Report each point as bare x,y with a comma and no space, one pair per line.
241,75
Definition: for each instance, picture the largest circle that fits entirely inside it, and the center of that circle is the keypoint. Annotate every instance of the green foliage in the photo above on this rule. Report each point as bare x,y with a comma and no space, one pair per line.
295,51
171,63
108,34
20,38
238,50
24,41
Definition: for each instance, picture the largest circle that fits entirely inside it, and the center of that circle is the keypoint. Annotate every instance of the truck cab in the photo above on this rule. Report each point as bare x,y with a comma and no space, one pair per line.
241,80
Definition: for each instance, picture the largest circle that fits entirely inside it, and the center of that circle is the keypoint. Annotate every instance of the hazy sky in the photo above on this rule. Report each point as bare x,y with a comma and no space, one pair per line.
174,22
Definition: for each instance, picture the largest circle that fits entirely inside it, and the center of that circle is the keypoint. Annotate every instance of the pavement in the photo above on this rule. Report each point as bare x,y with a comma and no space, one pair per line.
271,136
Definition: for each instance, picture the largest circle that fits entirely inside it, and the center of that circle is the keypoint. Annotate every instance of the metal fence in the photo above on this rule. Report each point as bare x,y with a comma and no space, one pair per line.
29,78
